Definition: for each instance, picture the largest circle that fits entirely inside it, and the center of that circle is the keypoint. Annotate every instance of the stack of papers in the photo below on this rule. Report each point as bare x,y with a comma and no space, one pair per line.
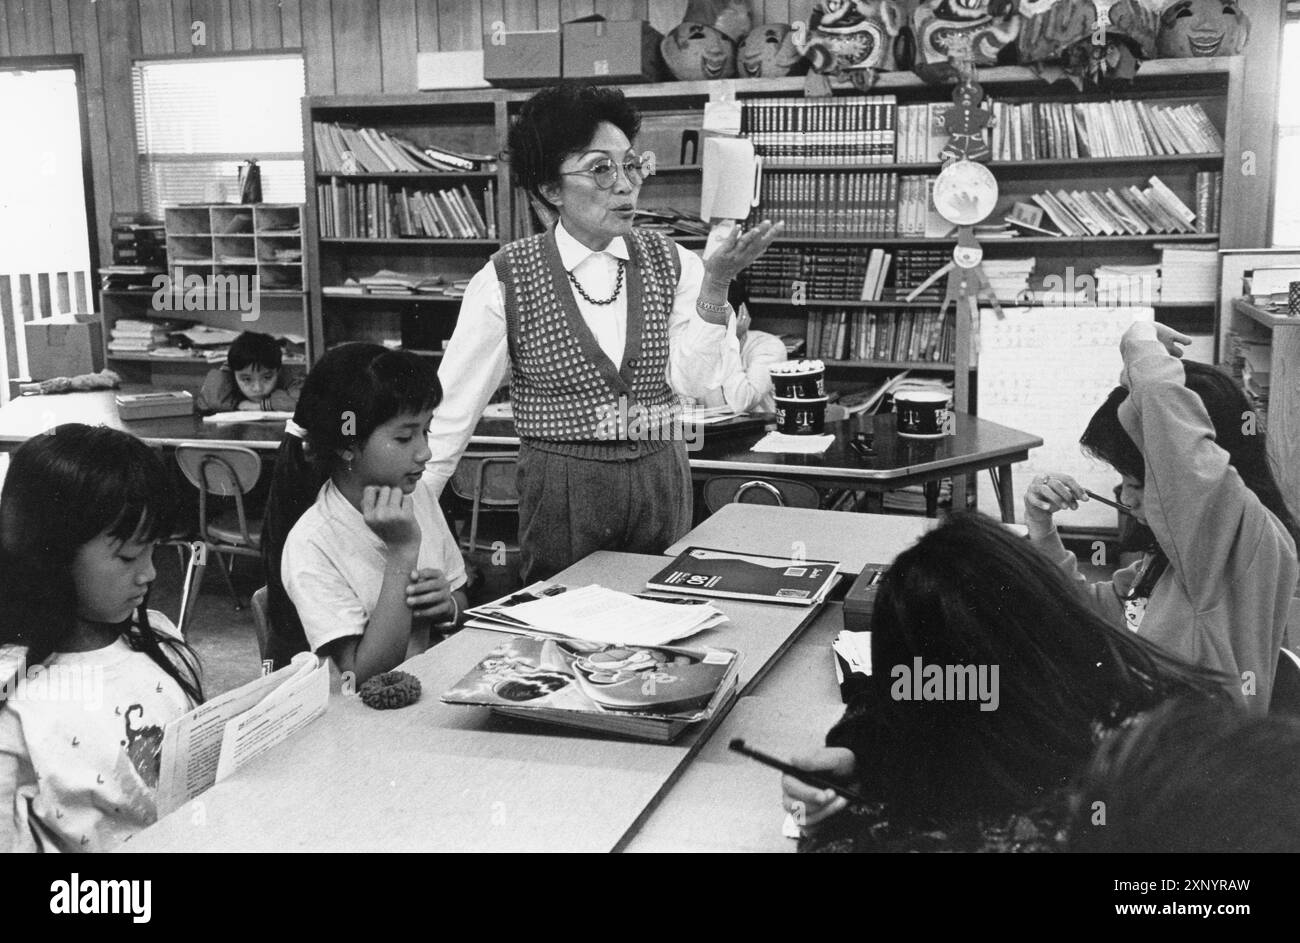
793,444
1188,273
595,614
250,415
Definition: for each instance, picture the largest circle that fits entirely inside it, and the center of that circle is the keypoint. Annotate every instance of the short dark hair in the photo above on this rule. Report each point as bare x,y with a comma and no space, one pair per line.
559,121
1193,777
256,350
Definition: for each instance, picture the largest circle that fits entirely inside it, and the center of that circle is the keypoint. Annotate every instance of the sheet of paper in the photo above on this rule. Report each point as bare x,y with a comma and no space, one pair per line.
250,415
727,189
794,444
292,705
1045,371
598,614
191,747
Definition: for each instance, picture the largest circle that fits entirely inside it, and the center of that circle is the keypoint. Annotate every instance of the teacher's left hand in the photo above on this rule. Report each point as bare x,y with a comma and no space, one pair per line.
738,251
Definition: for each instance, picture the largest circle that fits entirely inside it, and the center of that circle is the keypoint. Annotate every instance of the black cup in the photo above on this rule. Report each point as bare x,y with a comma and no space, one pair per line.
801,416
921,413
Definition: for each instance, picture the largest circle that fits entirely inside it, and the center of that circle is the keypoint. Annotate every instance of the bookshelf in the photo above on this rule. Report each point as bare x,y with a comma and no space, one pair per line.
476,120
388,224
249,258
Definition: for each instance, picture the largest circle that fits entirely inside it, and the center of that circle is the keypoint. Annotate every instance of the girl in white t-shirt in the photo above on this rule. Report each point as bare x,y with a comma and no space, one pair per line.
89,677
361,561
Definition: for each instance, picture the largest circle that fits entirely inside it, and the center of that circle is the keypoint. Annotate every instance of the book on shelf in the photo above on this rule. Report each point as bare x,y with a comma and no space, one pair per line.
1114,212
905,335
702,571
647,693
384,210
789,131
1053,130
342,149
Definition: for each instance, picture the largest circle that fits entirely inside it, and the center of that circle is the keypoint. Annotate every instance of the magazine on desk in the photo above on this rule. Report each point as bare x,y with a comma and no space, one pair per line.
649,693
219,736
700,571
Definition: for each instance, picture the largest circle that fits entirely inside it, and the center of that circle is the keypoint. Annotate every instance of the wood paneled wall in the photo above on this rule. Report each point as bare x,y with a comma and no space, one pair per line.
367,46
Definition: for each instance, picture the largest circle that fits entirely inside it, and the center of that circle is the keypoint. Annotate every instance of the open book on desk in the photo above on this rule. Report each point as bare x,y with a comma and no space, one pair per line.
595,614
219,736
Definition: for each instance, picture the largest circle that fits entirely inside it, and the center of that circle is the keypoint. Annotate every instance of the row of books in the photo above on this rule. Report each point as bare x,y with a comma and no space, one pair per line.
1250,362
841,273
346,150
851,130
1209,197
376,210
393,283
822,205
921,134
1122,128
1114,212
890,335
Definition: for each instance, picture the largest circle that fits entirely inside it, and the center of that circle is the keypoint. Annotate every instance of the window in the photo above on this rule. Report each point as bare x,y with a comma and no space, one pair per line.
197,121
1286,188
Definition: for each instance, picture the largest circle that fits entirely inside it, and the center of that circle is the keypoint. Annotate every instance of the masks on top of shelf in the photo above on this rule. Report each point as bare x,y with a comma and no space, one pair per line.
1094,40
947,30
695,51
1196,28
769,52
854,38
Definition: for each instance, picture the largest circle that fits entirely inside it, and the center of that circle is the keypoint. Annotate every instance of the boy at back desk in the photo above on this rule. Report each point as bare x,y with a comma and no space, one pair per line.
252,379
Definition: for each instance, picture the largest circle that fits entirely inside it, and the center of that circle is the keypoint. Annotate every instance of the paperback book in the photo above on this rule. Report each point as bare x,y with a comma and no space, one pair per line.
699,571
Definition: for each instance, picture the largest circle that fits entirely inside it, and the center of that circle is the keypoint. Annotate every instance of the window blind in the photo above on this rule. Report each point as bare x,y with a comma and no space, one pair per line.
197,121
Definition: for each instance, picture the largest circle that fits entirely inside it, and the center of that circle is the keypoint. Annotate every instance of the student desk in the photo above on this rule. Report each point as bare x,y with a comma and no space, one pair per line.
435,776
27,416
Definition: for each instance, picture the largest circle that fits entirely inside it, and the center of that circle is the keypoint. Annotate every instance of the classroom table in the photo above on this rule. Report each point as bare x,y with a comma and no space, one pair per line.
435,776
27,416
897,463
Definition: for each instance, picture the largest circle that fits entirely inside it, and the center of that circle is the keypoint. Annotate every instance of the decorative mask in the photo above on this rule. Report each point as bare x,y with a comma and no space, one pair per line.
954,29
768,52
854,38
1099,40
694,51
731,18
1191,28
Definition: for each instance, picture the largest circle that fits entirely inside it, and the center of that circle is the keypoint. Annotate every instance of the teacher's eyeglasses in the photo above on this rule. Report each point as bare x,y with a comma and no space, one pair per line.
605,173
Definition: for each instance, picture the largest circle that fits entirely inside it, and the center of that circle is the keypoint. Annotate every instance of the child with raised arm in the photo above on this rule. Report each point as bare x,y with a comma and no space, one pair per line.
1216,584
361,561
91,676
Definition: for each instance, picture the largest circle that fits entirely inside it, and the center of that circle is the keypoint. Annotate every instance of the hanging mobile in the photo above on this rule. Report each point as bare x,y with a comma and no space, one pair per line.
965,193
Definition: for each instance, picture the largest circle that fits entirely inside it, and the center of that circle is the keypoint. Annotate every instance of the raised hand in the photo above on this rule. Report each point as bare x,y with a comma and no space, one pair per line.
737,250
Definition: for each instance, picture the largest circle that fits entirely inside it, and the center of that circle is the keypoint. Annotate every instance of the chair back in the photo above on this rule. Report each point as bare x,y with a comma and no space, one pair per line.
1286,685
488,478
225,470
741,489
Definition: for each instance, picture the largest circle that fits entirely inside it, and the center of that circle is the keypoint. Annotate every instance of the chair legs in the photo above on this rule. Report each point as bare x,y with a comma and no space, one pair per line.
224,566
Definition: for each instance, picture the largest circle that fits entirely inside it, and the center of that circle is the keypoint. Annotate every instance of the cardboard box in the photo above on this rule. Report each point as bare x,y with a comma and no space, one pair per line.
625,51
66,345
463,69
522,58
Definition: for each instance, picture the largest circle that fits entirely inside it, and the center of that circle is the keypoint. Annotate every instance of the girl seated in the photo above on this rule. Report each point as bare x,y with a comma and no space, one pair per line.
945,772
368,563
91,676
1216,583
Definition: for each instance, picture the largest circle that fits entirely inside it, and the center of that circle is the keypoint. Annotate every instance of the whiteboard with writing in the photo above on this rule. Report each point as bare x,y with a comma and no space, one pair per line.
1045,371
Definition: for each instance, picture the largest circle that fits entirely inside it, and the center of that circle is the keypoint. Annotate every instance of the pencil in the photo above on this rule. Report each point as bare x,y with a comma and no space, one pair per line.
1115,504
803,775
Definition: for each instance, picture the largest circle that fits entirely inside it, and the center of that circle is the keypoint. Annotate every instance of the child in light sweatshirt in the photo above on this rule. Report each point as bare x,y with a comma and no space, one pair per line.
1216,584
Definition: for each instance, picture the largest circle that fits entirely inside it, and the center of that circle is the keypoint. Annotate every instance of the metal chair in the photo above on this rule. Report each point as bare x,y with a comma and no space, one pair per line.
227,471
487,481
191,583
260,624
740,489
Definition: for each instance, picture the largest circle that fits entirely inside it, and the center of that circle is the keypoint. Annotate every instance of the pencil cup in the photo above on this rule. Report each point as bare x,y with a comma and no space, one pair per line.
921,414
801,416
799,380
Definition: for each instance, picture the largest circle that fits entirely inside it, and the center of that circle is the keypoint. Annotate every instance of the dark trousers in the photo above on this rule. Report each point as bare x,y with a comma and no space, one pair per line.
571,507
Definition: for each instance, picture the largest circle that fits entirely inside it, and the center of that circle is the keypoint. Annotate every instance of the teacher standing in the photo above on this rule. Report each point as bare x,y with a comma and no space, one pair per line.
602,327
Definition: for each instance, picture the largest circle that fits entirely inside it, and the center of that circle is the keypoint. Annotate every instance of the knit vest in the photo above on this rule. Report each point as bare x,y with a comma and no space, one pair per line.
564,390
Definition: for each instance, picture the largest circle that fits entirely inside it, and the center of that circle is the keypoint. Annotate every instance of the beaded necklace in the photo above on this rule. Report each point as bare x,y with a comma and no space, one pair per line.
618,287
